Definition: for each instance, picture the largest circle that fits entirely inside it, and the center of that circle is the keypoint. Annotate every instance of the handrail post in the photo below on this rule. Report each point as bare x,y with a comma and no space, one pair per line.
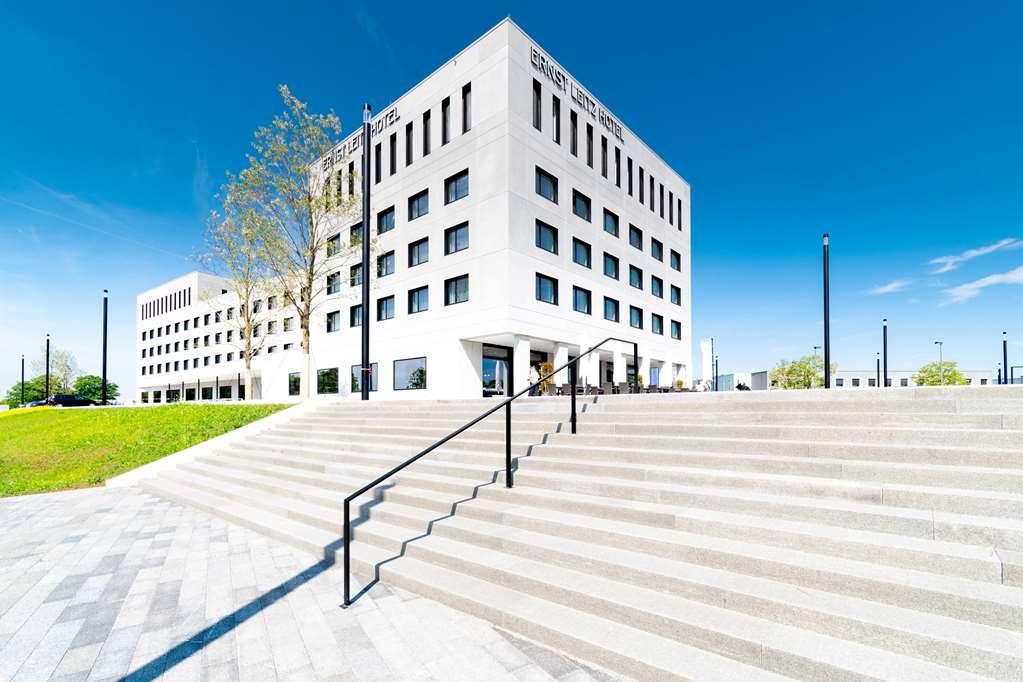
508,480
575,380
635,368
348,549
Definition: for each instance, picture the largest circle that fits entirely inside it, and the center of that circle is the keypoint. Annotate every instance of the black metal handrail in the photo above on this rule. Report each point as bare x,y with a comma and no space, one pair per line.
508,476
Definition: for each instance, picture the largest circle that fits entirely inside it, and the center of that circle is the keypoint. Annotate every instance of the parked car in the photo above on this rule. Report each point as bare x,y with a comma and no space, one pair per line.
69,400
36,403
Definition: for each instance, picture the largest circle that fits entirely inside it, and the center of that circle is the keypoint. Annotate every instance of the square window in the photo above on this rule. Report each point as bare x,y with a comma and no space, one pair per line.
456,239
610,309
546,289
635,277
581,205
546,185
385,308
581,300
610,266
546,237
385,220
635,317
385,264
456,187
419,252
410,374
418,300
456,290
326,380
419,204
580,252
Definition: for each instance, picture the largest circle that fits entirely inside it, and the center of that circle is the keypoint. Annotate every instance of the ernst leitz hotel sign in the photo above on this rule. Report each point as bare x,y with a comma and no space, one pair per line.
561,81
348,147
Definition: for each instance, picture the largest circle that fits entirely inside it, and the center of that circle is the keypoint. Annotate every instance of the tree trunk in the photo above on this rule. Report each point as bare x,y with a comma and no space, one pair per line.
306,374
248,379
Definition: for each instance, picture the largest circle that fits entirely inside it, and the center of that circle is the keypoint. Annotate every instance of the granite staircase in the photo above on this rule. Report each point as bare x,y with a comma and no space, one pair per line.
867,534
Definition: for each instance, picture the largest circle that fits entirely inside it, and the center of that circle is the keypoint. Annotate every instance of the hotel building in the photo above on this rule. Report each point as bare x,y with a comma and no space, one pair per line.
516,220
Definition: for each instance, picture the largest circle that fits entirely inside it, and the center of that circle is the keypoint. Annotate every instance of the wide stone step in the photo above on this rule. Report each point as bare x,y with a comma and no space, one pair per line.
520,432
353,441
595,417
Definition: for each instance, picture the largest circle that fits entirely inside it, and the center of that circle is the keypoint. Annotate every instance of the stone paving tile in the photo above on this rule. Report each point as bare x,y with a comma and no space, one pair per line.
120,585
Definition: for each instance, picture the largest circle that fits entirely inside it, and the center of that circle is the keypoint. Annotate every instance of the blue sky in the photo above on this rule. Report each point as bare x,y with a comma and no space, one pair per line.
896,127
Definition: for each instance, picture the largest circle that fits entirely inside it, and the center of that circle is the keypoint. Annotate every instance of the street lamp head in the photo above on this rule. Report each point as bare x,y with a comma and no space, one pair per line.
366,112
105,292
825,239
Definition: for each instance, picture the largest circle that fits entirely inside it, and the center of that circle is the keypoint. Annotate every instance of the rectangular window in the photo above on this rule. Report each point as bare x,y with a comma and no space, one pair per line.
580,252
660,199
355,275
326,380
355,235
589,145
419,204
603,156
410,374
418,300
385,264
419,252
357,372
333,321
392,154
377,173
635,277
635,237
651,192
581,205
456,290
581,300
351,178
618,167
289,324
385,308
355,315
456,187
641,184
385,220
546,185
676,260
610,266
656,249
657,286
629,172
408,144
426,133
537,106
466,107
445,121
671,207
676,295
573,132
610,309
635,317
546,237
556,118
333,246
676,331
610,223
456,239
546,289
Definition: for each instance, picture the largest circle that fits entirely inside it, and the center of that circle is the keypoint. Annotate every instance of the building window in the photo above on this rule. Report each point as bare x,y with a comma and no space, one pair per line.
456,290
546,237
419,252
635,277
408,144
580,300
537,108
856,383
333,283
385,308
871,383
466,107
581,205
580,252
287,346
333,245
610,223
676,260
377,173
289,323
839,381
556,118
610,266
603,156
410,374
355,315
546,289
355,275
676,295
641,184
635,317
355,235
589,145
357,372
333,321
657,324
294,383
610,309
326,380
656,249
618,167
651,192
351,178
456,239
418,300
660,199
385,220
573,132
426,132
419,204
546,185
903,382
392,154
445,120
385,264
456,187
635,237
657,286
676,330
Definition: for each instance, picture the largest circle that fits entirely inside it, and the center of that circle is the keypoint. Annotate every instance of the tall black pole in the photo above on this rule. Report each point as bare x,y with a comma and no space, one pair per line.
23,379
365,379
46,396
714,382
827,318
715,373
103,393
884,348
878,368
1005,359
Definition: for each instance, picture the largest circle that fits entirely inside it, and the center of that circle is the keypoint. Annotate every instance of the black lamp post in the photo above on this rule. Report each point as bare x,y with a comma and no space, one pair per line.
103,392
941,363
713,367
715,373
1005,359
884,348
878,358
46,396
827,318
365,379
22,378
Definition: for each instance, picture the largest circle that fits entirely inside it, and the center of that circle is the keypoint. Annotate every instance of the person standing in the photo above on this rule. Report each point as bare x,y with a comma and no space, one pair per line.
534,377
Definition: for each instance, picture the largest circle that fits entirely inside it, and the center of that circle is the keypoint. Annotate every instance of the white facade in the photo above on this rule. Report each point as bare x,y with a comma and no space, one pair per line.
510,142
900,378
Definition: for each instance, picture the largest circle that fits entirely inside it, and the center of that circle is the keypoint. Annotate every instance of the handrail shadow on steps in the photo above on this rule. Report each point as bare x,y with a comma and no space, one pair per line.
508,475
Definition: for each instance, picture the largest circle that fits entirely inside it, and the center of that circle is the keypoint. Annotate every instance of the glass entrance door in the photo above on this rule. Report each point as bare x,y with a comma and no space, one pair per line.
497,370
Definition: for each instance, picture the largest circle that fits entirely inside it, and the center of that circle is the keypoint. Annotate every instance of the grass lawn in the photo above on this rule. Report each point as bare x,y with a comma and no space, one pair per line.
45,449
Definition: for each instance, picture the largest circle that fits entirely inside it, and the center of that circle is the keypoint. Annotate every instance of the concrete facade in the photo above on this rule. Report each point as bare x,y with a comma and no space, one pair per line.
901,378
499,98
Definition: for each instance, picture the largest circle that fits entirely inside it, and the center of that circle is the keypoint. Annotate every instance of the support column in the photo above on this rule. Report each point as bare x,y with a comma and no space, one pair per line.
644,369
560,358
520,363
619,376
667,377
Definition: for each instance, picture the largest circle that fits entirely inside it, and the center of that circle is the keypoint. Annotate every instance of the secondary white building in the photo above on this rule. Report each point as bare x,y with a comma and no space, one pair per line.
900,378
517,220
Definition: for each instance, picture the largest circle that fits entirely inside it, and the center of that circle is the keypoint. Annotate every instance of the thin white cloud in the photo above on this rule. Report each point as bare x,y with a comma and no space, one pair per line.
892,287
948,263
964,292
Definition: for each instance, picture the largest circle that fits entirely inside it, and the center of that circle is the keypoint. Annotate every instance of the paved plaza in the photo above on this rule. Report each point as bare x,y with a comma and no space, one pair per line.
117,584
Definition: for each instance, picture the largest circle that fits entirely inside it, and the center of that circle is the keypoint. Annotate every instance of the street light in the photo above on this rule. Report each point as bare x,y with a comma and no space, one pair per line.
878,358
365,378
941,363
1005,359
715,373
827,318
884,348
46,396
103,391
22,378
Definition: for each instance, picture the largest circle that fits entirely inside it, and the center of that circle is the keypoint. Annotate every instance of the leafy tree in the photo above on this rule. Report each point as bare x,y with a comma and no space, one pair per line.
806,372
63,369
35,389
940,374
91,386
